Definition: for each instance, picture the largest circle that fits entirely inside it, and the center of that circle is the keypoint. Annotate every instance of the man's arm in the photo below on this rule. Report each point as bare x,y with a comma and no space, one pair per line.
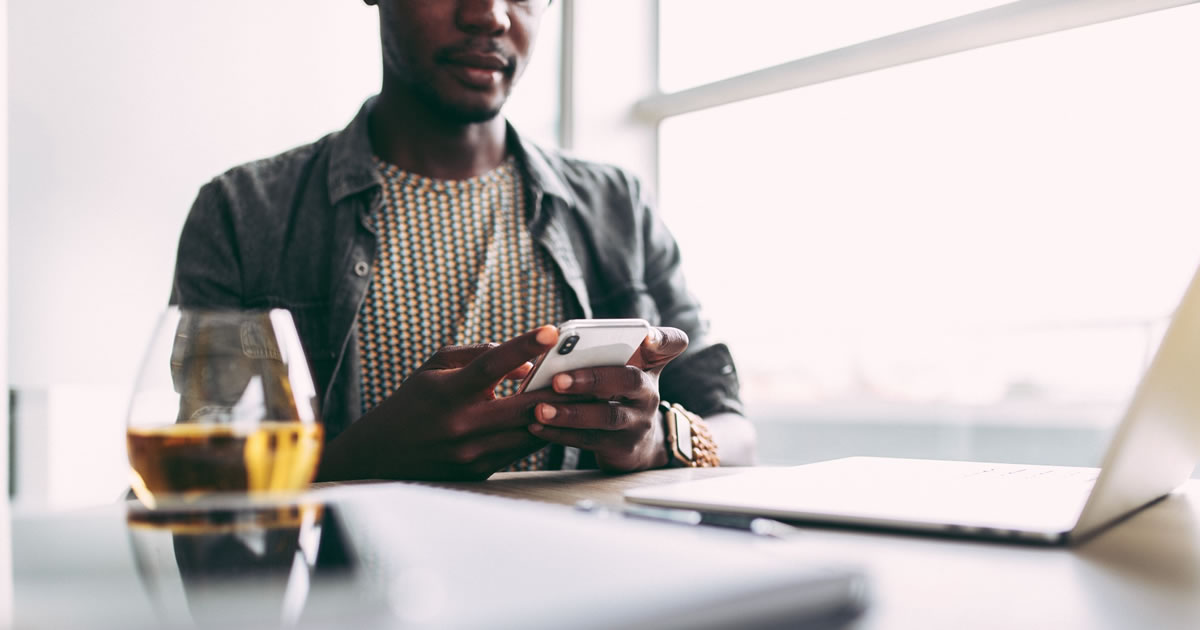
737,442
704,379
444,421
615,414
207,267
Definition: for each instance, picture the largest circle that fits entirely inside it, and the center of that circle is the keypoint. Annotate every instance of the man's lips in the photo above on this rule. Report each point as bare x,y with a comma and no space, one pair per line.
479,70
480,78
482,61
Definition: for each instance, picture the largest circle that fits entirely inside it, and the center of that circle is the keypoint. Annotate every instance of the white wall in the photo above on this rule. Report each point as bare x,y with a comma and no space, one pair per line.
119,111
122,109
6,596
3,264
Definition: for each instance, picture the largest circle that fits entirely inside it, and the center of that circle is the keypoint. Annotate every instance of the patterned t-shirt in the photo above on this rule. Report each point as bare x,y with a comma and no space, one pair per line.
456,266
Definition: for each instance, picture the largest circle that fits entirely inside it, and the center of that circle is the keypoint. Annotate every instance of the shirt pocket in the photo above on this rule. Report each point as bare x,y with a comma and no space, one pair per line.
631,301
312,321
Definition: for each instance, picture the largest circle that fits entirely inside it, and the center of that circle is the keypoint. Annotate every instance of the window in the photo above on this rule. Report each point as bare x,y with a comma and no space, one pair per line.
533,107
707,40
996,235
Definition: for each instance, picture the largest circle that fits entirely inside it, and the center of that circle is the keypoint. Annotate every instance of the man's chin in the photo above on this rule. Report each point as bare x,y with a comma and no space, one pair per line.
462,108
469,115
464,113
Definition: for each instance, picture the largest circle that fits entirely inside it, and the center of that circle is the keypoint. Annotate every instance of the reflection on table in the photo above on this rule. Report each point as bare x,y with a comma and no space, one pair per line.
217,554
401,555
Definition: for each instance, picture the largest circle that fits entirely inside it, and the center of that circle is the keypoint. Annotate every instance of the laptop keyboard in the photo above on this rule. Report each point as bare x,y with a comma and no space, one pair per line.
1039,474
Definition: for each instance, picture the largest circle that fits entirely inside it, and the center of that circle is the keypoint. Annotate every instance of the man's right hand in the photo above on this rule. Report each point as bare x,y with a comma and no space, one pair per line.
444,421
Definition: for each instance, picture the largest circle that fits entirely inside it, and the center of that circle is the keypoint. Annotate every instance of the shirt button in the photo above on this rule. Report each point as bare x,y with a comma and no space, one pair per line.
361,268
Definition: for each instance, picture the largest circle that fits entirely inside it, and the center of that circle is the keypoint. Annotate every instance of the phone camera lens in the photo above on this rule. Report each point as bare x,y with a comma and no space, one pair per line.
568,344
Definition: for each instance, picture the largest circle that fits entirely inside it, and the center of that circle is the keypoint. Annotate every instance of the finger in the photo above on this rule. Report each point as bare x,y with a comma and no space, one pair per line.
625,382
504,459
449,357
520,372
586,439
488,446
486,466
499,414
602,416
660,346
489,368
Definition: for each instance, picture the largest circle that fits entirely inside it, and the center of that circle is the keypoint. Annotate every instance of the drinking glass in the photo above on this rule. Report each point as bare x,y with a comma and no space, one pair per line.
224,402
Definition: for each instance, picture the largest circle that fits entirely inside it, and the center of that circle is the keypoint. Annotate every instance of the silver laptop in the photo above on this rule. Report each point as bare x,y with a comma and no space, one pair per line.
1152,452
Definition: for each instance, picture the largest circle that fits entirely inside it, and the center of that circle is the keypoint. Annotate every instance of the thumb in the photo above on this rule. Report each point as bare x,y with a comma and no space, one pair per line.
661,346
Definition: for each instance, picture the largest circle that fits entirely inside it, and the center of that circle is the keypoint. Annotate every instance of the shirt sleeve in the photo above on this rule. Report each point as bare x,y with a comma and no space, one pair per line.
703,379
207,268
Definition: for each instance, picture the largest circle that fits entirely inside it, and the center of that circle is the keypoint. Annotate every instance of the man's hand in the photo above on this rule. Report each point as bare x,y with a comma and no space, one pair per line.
613,411
445,422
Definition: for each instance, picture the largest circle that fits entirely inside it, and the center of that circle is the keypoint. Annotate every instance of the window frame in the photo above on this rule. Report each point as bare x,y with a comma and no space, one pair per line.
625,129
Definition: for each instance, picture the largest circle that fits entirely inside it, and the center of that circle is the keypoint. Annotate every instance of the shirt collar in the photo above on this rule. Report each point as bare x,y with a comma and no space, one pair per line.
352,169
542,177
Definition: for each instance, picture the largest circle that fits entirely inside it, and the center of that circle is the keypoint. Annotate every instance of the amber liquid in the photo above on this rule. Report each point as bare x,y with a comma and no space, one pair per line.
187,460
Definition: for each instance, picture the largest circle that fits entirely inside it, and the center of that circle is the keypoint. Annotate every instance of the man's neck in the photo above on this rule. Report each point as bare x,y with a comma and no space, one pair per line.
406,133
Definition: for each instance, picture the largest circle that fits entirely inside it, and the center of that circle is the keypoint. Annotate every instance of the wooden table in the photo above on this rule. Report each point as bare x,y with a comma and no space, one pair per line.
566,487
1143,573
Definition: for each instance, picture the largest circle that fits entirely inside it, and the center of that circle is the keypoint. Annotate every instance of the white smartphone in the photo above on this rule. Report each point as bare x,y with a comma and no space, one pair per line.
587,343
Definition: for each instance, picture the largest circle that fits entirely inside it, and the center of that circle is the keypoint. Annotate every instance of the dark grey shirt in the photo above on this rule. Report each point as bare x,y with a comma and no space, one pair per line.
292,232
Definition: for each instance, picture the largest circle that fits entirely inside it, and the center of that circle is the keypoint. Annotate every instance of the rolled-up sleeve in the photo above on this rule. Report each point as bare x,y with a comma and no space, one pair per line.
703,379
207,267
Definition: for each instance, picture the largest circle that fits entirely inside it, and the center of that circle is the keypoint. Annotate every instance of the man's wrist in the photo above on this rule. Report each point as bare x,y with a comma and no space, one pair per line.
349,456
659,457
688,441
332,465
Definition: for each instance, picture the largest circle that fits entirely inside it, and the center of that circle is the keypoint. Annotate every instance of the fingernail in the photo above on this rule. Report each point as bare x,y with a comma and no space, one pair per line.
547,411
535,428
546,335
562,382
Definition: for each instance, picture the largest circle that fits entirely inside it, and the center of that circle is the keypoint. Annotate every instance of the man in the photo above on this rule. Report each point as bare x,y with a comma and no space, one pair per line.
406,243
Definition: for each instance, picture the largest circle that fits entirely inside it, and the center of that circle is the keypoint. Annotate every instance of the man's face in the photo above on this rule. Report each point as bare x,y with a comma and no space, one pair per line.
461,57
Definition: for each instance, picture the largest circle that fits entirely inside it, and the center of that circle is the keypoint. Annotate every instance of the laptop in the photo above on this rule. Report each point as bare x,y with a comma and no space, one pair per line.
1153,451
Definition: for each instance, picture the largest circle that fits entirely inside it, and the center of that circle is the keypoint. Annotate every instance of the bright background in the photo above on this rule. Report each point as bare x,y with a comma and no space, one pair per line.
1009,223
119,111
967,257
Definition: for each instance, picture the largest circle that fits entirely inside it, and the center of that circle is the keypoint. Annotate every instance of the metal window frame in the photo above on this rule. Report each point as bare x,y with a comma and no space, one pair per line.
1004,23
566,77
596,117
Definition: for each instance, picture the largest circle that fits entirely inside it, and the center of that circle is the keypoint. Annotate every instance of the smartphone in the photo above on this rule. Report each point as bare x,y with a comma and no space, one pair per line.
586,343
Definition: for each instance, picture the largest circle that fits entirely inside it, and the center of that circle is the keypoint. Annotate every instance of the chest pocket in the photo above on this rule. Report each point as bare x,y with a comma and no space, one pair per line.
313,326
632,301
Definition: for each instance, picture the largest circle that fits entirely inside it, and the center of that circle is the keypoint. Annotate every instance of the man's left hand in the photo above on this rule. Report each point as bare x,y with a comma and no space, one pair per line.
613,411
